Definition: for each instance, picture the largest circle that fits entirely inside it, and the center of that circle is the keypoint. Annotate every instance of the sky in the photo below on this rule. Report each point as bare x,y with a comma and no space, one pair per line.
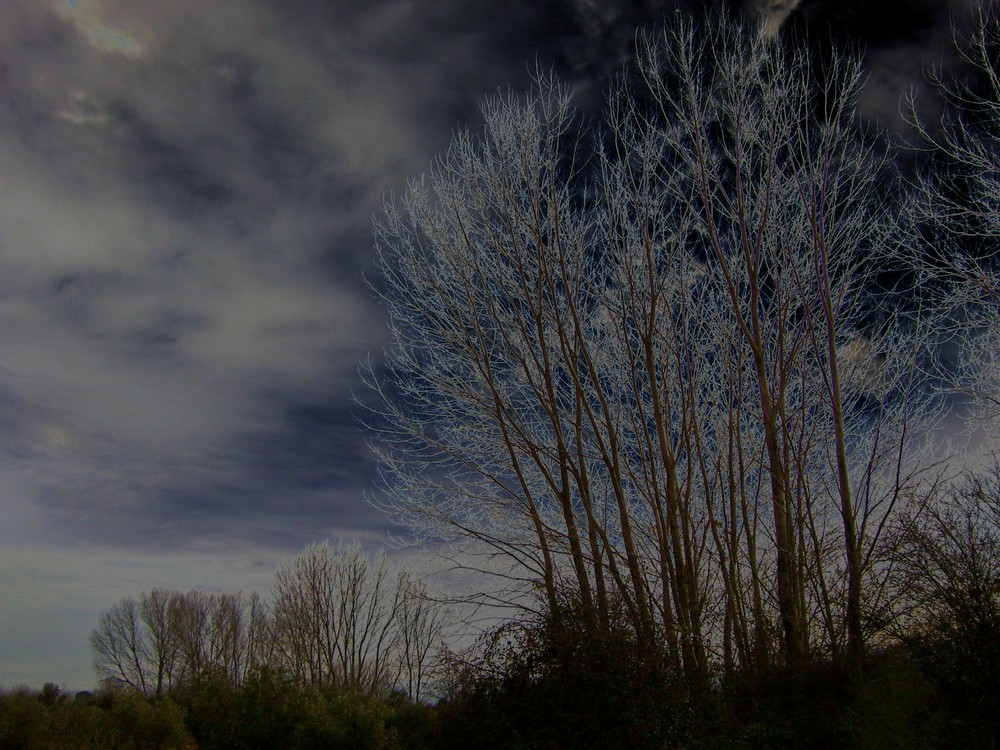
186,196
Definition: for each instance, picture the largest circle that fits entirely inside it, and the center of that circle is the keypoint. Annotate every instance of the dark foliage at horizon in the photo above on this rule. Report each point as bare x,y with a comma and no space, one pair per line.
532,688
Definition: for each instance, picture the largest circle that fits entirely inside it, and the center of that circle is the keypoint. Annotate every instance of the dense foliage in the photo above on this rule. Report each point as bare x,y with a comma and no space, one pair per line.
267,711
108,720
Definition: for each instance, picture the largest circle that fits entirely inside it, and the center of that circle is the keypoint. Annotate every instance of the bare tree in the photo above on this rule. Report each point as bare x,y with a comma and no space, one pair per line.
121,649
155,611
191,614
470,339
655,377
956,213
779,194
364,620
235,631
302,602
259,648
421,624
337,620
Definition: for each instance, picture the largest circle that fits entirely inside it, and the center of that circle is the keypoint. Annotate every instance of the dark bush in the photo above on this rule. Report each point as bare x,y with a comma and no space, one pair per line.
567,686
127,721
260,714
949,562
138,723
896,707
271,710
24,722
412,726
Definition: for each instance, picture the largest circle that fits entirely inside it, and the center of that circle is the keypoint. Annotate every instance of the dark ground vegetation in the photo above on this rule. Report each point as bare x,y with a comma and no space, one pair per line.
530,689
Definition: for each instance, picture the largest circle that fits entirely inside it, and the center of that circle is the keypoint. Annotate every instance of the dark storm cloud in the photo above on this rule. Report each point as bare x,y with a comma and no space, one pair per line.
902,40
191,189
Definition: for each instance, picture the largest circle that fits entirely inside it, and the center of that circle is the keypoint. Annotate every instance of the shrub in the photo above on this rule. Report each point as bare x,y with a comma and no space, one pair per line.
271,710
119,721
543,686
23,722
138,723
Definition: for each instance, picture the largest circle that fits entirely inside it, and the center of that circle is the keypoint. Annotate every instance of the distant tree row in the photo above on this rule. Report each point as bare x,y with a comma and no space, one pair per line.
336,617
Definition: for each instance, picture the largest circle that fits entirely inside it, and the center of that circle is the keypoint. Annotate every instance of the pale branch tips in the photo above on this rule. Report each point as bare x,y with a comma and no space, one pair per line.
954,250
653,381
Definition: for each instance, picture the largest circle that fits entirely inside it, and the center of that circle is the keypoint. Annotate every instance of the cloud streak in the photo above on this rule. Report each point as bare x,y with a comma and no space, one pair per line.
188,185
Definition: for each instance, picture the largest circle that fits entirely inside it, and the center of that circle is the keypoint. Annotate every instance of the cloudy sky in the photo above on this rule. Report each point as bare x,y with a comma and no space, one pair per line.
186,191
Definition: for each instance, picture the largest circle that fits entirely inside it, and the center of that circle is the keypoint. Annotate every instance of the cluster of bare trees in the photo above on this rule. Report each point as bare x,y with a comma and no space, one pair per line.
168,637
342,618
648,368
336,617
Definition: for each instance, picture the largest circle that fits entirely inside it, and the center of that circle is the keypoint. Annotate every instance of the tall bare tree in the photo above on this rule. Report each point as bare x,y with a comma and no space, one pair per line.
956,211
344,618
753,159
655,378
121,648
421,624
157,616
191,618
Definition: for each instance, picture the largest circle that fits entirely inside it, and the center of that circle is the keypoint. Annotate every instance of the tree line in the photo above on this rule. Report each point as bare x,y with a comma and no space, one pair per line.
336,617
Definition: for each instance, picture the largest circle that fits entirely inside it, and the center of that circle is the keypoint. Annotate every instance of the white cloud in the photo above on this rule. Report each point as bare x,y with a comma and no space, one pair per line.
139,330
